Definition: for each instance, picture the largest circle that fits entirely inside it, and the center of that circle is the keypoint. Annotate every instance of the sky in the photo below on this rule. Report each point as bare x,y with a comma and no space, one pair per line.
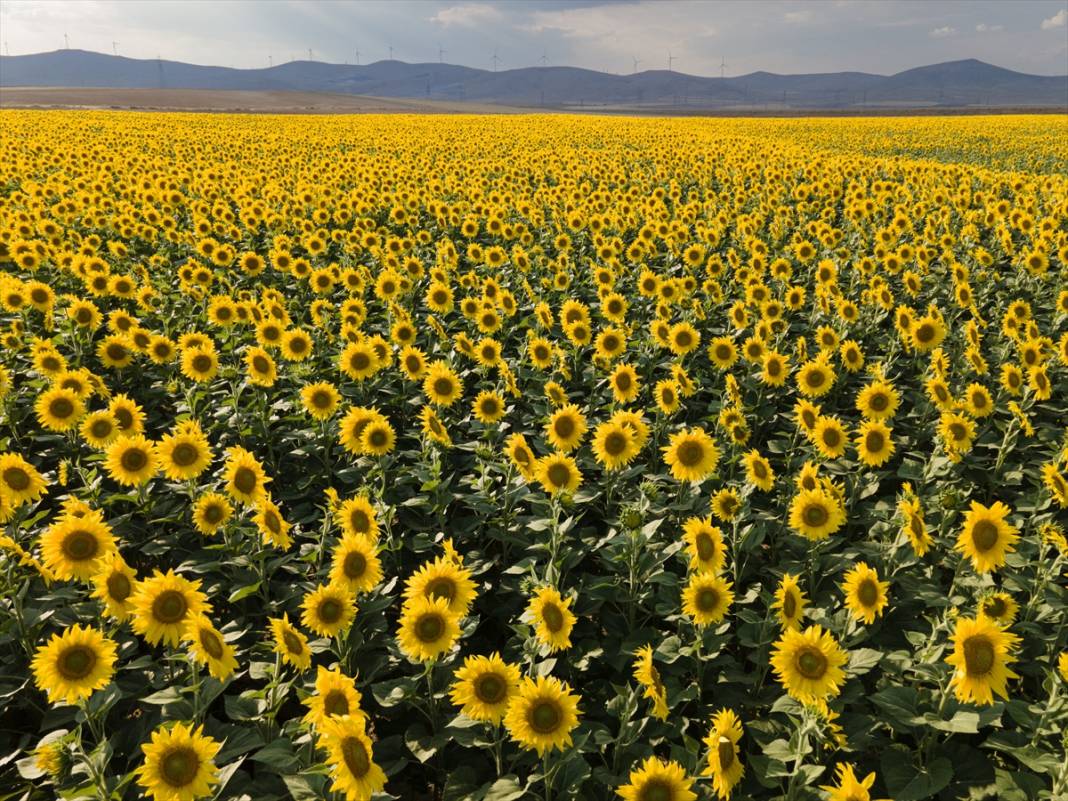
701,38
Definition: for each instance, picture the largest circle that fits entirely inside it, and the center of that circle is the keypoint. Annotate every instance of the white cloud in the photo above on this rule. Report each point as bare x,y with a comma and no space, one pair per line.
982,27
1058,20
798,17
466,16
943,33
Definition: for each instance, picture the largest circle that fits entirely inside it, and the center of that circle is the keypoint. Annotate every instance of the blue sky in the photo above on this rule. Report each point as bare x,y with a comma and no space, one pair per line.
883,36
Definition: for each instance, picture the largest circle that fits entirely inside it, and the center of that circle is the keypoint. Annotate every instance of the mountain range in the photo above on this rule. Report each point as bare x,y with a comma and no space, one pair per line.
966,83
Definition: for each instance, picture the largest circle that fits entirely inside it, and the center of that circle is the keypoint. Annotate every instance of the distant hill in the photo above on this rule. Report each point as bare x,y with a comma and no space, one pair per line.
952,84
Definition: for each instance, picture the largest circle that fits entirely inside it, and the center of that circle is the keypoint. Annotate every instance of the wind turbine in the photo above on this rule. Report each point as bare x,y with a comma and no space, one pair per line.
310,55
357,56
66,42
671,60
723,68
543,58
115,48
637,61
391,52
270,60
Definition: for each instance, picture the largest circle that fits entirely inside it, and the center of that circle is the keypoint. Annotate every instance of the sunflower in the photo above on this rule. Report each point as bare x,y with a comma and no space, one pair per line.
328,609
320,400
244,475
624,383
849,788
335,696
614,445
541,352
986,536
915,528
260,367
200,364
865,594
957,432
518,451
441,385
724,765
352,425
790,602
1000,607
412,362
646,674
706,598
113,583
358,361
71,666
296,345
73,547
178,764
927,333
378,437
128,413
566,427
558,473
691,455
185,453
355,563
683,338
208,648
443,579
59,409
878,401
815,378
488,407
351,758
210,512
433,427
758,471
272,526
484,686
722,352
830,436
667,395
874,443
816,514
809,664
357,517
977,401
982,652
776,369
726,504
99,429
163,605
704,542
660,780
550,614
542,714
132,460
289,642
427,628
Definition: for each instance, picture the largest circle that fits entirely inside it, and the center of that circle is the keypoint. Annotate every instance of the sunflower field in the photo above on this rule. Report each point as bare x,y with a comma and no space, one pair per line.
533,457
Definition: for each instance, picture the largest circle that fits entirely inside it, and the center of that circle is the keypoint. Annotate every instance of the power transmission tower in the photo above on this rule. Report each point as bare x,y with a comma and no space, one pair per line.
495,60
637,61
544,60
671,60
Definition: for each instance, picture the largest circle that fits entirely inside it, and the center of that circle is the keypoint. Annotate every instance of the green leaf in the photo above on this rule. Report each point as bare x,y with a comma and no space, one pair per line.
507,788
906,782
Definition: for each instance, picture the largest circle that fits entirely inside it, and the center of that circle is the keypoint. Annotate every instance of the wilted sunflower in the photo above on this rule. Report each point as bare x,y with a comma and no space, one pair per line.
328,609
865,594
706,598
648,677
552,618
427,628
986,536
691,455
808,664
558,473
704,543
659,780
72,547
724,765
484,686
350,757
207,646
163,605
335,696
355,563
816,514
178,764
542,714
74,664
790,602
982,652
132,460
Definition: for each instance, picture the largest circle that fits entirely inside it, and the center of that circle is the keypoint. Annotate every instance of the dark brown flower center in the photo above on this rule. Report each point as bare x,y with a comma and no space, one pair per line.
179,766
76,662
490,688
80,545
811,663
357,760
979,655
984,535
211,643
868,592
429,628
134,459
545,716
169,607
